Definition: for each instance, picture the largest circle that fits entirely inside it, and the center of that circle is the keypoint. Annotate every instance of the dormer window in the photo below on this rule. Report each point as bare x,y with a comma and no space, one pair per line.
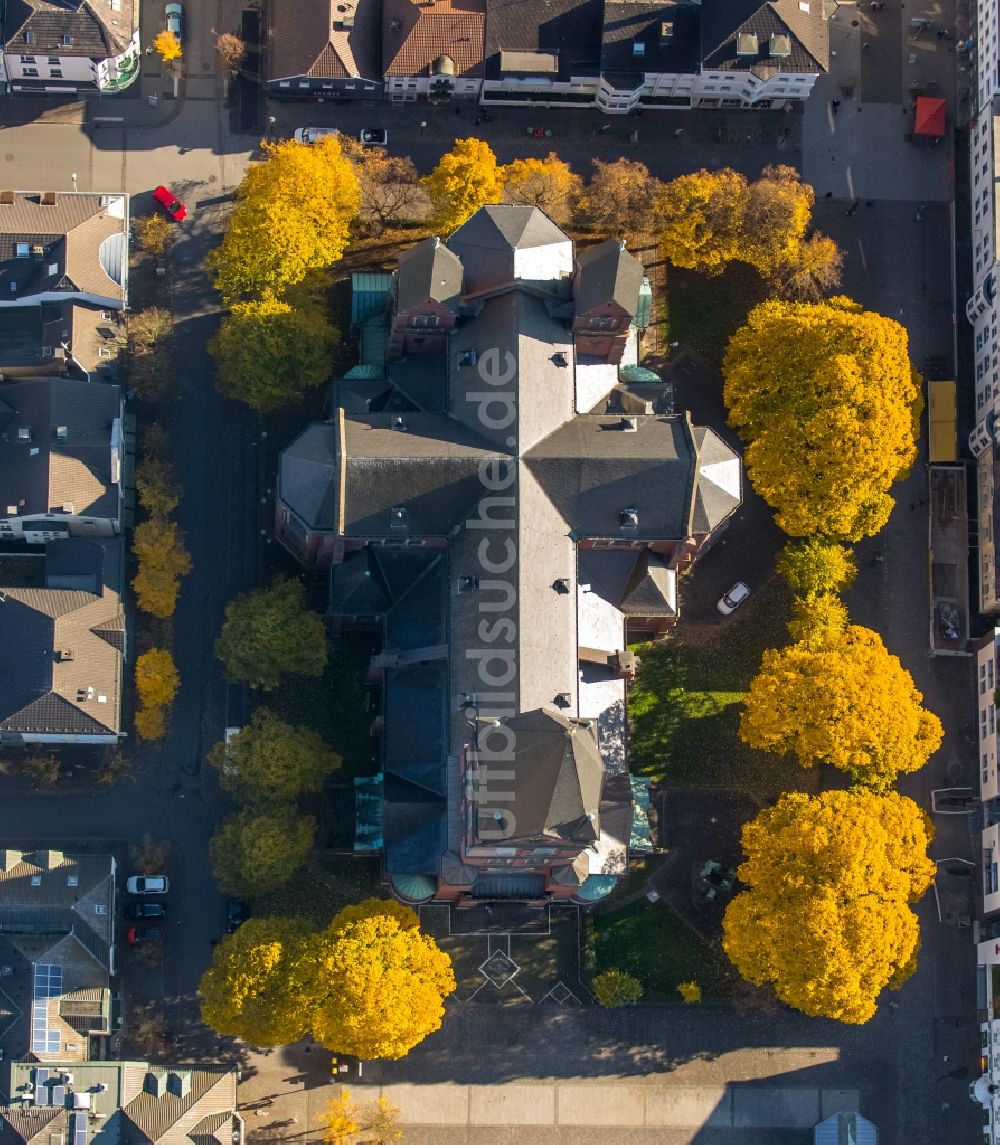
425,320
468,358
399,518
67,40
628,520
606,323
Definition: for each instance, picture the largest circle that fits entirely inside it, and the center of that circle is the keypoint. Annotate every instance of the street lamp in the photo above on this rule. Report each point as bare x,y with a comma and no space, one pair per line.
271,121
73,177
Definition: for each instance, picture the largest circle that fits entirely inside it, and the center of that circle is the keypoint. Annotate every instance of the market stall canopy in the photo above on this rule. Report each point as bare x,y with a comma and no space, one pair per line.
929,116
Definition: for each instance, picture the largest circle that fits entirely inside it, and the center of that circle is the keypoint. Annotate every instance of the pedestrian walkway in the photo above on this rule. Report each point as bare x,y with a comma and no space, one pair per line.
610,1104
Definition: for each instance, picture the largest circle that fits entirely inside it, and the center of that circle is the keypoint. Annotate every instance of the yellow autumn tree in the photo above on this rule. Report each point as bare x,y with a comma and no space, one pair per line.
466,178
816,565
826,397
700,219
294,213
841,698
156,678
546,183
374,984
776,217
150,723
167,45
340,1119
249,990
827,917
813,615
163,560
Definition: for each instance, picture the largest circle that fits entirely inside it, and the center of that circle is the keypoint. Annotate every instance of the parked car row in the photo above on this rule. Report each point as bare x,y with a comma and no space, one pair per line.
146,911
368,136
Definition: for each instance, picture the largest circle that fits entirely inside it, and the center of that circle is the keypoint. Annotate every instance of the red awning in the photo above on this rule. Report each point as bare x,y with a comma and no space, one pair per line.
930,115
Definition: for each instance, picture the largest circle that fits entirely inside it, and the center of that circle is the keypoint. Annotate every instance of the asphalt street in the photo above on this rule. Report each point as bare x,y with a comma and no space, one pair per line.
895,264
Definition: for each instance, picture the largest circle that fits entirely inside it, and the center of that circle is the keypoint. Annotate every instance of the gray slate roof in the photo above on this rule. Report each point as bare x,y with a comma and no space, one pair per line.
428,270
49,472
607,273
486,245
557,777
593,471
724,20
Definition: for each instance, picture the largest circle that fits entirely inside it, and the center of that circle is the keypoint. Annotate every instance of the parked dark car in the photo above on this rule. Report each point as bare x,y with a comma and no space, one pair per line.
236,915
140,910
143,935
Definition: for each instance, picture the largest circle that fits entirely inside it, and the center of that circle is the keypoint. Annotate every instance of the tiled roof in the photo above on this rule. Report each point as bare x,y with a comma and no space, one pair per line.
66,460
569,28
98,29
75,244
73,686
170,1118
801,21
607,273
414,36
307,38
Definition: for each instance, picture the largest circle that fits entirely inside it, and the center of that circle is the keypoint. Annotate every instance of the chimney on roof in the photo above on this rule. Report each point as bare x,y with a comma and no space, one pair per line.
6,198
9,858
24,433
628,424
47,199
48,860
629,519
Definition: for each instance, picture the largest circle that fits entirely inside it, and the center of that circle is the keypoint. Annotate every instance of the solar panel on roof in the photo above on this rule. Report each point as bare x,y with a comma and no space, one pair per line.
46,983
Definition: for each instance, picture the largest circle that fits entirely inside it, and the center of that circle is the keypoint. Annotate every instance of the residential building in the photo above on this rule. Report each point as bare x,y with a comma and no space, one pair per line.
433,51
131,1102
62,630
61,46
650,54
323,50
542,53
69,339
760,55
57,953
61,453
64,247
984,172
505,498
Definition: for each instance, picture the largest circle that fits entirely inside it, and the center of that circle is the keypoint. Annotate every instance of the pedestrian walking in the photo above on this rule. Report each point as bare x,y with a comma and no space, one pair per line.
834,105
940,33
828,195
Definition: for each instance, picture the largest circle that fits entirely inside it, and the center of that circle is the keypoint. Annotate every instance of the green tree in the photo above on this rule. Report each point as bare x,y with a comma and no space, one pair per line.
268,354
271,761
374,984
814,616
269,634
253,854
465,179
282,226
700,219
841,699
827,916
827,399
617,988
248,991
816,565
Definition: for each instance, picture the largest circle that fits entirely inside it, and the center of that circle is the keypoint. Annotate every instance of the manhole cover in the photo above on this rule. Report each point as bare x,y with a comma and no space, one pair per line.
499,968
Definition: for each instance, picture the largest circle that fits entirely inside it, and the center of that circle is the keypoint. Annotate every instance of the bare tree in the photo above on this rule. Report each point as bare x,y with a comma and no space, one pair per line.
150,856
230,52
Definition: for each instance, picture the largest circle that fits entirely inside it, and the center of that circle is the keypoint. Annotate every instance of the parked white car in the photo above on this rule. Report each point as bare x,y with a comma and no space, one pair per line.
731,600
312,134
148,885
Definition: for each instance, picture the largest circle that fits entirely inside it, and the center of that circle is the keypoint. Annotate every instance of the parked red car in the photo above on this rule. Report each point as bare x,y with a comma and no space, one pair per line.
141,935
170,203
